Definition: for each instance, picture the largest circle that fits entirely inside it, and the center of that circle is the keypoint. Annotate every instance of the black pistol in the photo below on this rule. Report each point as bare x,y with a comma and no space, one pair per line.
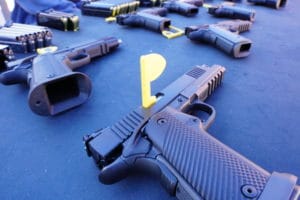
152,19
269,3
171,139
181,7
233,12
223,38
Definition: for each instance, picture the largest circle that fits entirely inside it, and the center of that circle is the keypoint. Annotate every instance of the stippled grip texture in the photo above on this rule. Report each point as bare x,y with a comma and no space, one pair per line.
212,169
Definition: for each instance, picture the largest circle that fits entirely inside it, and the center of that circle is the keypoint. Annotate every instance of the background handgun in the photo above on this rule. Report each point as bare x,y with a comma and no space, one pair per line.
181,7
151,19
54,87
221,36
269,3
157,3
232,12
170,139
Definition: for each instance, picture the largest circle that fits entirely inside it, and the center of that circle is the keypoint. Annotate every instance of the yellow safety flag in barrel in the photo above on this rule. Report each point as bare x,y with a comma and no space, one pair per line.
152,66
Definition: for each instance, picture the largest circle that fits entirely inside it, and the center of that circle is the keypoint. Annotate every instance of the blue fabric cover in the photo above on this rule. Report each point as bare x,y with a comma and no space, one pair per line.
25,10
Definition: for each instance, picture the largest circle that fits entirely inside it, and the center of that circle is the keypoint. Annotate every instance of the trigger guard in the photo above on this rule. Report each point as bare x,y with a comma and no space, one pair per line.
201,106
78,60
77,57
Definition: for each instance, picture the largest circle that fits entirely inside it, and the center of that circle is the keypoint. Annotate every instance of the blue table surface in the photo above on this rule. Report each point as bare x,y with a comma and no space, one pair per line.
258,107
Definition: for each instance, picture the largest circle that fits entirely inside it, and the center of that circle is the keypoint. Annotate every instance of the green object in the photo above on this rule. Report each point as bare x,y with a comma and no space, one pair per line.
58,20
109,8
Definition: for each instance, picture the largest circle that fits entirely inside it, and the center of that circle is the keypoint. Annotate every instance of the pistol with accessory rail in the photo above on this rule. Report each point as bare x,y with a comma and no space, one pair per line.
223,35
181,7
54,86
269,3
170,139
151,19
233,12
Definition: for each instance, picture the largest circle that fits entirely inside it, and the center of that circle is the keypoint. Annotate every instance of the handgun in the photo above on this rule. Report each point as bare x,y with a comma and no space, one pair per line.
170,139
197,3
146,20
181,7
233,12
223,36
156,3
151,19
269,3
54,86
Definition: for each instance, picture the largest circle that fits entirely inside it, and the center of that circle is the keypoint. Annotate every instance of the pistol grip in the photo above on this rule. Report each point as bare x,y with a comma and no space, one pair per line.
210,168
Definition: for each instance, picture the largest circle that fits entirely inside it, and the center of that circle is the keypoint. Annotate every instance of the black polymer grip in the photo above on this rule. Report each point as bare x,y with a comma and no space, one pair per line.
232,12
181,7
211,169
231,43
270,3
146,20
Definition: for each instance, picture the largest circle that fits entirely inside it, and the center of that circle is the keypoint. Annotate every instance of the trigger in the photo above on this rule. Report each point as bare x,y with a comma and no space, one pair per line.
202,111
